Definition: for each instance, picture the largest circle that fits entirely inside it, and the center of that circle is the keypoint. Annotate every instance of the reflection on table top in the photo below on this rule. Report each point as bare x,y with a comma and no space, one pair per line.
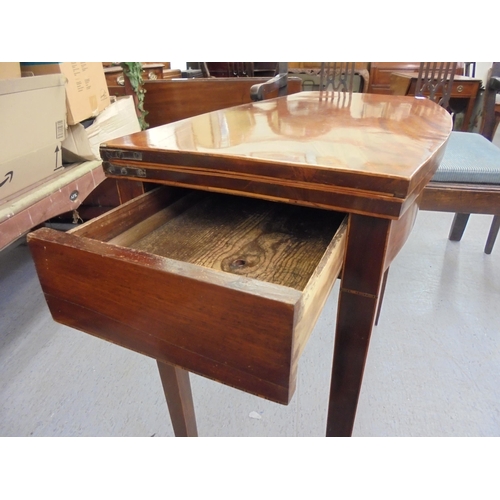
367,142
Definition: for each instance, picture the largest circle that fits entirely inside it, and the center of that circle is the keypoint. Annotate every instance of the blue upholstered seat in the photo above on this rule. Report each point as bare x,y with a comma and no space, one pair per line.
469,158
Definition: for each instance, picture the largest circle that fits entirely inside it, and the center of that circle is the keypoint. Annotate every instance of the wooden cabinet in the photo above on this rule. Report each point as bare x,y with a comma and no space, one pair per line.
114,74
380,74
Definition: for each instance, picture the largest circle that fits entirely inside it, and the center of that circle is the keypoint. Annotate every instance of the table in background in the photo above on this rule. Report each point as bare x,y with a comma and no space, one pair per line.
464,89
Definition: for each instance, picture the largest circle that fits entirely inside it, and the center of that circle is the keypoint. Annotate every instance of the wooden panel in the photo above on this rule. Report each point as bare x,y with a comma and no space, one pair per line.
380,74
173,100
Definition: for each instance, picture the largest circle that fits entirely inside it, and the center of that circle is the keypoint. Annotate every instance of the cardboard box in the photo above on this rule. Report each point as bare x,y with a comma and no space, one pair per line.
32,128
117,120
10,70
86,88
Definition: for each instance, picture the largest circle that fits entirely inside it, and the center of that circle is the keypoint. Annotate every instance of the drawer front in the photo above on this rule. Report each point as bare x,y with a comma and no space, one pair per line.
225,287
114,75
464,89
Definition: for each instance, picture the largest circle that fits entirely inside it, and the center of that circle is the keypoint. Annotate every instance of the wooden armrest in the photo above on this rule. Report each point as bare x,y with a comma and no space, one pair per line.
261,91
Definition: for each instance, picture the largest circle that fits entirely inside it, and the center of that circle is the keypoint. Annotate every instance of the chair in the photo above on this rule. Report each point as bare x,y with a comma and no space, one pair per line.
275,87
468,179
436,80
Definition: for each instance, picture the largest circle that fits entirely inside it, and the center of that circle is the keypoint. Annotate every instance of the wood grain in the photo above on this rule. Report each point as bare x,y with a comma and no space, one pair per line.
270,242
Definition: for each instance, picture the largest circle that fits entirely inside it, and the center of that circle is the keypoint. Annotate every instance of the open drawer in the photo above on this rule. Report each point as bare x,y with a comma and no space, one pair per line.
223,286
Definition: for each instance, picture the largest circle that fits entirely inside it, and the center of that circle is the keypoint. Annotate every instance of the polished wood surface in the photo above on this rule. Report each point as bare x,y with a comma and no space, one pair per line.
463,88
168,101
370,155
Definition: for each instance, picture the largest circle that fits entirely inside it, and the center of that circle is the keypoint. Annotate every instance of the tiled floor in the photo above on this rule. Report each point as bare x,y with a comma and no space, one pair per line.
433,367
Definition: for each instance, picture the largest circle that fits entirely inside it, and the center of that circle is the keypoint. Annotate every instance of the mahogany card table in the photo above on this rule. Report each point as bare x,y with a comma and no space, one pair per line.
224,268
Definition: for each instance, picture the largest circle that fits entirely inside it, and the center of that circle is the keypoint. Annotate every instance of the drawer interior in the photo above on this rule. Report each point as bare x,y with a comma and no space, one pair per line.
273,242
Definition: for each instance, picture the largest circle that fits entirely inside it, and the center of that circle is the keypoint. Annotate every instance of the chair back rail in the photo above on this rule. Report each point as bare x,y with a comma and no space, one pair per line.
436,79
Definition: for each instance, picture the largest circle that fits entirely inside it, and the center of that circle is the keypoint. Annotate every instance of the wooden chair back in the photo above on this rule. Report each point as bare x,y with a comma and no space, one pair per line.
435,81
337,76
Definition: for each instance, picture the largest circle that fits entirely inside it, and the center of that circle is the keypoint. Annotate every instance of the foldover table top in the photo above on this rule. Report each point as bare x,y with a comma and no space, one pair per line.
364,153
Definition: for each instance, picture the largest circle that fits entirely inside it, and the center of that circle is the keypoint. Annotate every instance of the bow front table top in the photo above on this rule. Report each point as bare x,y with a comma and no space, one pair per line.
224,269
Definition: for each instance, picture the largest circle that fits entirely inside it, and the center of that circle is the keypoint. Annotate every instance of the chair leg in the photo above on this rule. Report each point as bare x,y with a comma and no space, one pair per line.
458,227
492,236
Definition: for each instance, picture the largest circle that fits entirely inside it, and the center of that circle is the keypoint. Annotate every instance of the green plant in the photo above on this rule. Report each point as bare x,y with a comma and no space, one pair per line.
133,71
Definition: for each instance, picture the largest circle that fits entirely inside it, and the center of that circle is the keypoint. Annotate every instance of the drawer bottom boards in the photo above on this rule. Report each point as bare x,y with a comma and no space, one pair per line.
223,286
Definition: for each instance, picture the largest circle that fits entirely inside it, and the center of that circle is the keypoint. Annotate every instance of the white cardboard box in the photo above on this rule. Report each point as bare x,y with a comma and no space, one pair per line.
32,128
117,120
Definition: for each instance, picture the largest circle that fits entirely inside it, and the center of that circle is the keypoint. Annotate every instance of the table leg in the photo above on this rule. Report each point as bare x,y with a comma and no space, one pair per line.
360,289
381,297
468,114
177,389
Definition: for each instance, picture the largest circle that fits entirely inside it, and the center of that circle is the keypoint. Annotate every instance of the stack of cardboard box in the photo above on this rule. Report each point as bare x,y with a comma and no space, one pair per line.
43,107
